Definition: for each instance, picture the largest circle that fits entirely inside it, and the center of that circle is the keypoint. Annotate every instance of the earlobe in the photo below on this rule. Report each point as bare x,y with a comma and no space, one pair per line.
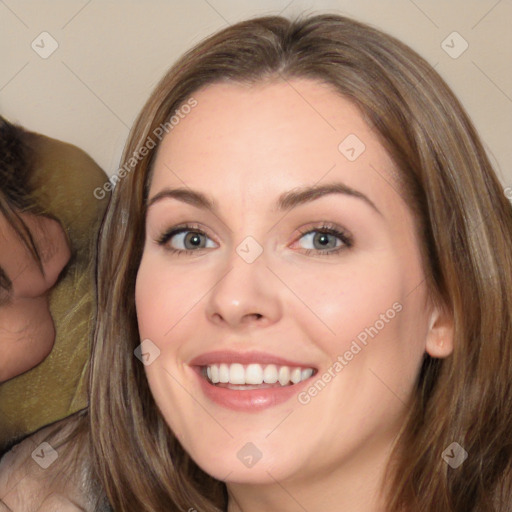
439,340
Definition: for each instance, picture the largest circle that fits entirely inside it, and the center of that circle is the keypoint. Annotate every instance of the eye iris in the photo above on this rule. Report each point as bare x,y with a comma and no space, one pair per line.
323,239
194,238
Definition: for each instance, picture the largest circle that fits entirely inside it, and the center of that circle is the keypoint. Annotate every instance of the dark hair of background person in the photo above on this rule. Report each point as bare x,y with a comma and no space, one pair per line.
16,166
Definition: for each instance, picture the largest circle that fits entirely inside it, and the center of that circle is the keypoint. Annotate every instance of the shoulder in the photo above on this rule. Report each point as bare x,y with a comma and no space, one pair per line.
34,474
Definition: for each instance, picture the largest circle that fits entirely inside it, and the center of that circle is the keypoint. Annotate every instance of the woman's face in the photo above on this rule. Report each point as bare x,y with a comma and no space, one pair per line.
27,332
270,293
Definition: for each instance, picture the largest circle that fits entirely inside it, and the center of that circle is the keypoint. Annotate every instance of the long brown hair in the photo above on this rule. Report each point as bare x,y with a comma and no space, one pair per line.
463,221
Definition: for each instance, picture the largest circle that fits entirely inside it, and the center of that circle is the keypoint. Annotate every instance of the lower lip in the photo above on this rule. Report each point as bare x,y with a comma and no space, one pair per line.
250,400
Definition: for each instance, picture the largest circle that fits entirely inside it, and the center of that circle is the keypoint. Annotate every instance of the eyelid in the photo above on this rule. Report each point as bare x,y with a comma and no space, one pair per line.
326,226
179,228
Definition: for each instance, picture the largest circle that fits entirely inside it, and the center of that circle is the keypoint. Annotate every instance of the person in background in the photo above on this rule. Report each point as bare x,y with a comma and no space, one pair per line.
34,250
49,218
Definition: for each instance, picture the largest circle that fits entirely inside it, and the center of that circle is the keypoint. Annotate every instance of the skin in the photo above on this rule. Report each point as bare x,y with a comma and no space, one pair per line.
27,332
245,146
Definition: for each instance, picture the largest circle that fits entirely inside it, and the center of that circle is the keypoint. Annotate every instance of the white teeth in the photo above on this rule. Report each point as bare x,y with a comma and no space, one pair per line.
236,374
306,373
270,374
295,375
284,375
256,374
224,373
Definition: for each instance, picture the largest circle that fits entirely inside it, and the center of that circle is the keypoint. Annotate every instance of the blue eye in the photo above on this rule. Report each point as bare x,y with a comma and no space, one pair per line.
327,237
188,238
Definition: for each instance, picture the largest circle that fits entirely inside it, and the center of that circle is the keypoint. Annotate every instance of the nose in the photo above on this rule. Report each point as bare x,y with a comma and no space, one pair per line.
246,294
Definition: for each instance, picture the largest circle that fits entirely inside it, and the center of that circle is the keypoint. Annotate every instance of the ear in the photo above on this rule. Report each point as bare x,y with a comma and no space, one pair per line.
439,340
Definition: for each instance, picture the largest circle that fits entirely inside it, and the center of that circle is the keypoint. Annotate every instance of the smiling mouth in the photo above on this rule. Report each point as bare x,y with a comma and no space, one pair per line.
238,376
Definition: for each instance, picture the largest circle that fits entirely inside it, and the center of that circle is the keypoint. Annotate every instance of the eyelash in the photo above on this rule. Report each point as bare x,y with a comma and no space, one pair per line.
325,228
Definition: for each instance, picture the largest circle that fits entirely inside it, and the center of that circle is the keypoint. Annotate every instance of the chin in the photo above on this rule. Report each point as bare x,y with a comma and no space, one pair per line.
260,473
245,463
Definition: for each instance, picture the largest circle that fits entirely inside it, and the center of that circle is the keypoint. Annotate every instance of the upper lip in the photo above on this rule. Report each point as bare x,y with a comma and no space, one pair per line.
231,356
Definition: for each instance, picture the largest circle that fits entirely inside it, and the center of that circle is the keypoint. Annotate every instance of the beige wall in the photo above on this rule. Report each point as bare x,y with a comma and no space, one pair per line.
111,54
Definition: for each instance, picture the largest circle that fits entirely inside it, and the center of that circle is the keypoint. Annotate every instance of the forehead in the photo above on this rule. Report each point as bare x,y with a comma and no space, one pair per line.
259,140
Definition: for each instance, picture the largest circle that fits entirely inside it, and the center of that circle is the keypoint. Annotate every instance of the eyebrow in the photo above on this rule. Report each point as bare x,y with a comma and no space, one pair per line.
286,201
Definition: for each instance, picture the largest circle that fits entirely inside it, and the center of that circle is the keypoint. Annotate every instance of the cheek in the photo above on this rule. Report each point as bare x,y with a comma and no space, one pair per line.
163,302
364,312
336,303
165,297
27,334
149,299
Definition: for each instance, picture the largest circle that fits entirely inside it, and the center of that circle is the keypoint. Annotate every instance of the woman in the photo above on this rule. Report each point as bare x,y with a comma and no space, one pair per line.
257,374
